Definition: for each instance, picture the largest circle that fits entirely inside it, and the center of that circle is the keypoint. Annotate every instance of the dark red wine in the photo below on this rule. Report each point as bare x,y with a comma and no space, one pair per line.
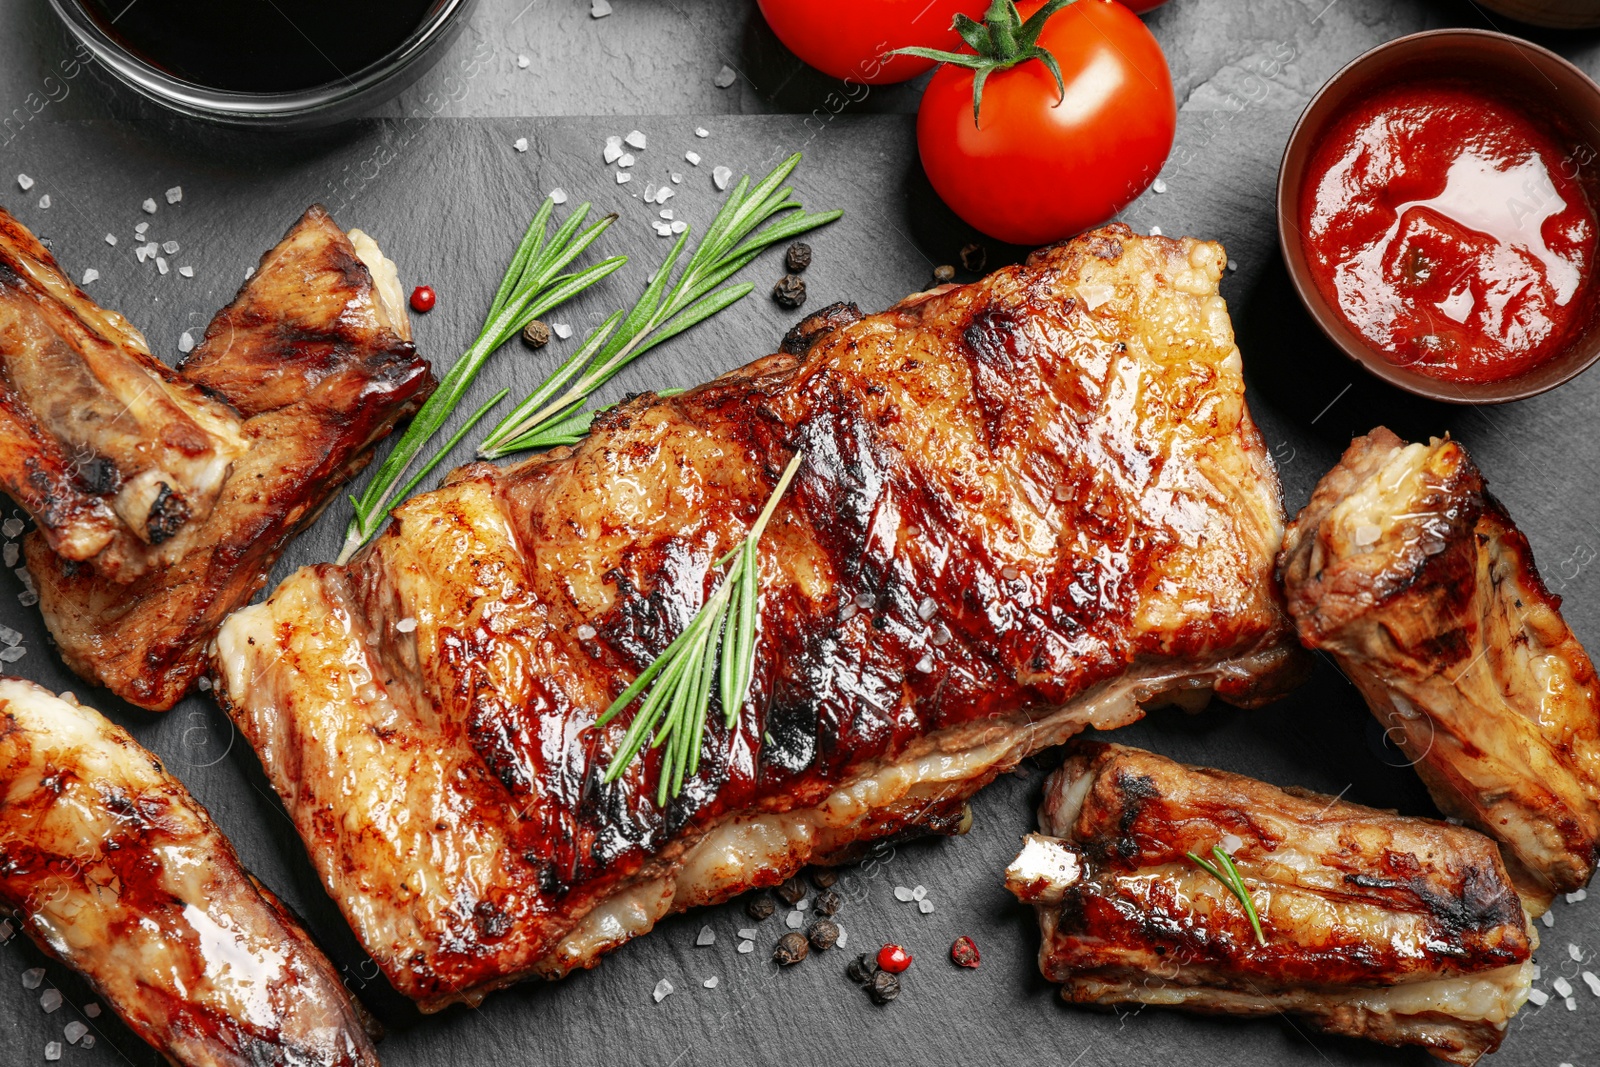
260,46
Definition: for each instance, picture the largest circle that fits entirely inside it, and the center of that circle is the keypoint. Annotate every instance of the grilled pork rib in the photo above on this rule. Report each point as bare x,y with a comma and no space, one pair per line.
314,361
1027,506
1404,931
112,867
110,451
1415,579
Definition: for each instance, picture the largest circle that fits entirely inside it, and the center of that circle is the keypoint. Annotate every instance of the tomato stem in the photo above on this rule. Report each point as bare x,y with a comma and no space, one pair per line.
1001,41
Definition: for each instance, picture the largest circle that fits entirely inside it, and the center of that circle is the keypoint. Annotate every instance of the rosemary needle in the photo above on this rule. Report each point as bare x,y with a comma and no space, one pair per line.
1229,875
718,645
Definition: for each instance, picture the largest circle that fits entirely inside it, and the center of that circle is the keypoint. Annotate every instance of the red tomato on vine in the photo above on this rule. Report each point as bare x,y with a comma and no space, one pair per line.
852,38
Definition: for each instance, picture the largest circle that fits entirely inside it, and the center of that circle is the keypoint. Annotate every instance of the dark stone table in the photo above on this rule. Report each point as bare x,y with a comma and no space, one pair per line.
434,176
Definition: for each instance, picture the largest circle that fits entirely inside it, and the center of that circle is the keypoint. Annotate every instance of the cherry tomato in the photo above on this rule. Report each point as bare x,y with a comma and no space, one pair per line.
893,958
422,299
846,38
1041,168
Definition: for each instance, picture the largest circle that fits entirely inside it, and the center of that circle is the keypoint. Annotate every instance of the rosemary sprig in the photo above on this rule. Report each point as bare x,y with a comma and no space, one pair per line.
1229,875
533,285
662,312
719,642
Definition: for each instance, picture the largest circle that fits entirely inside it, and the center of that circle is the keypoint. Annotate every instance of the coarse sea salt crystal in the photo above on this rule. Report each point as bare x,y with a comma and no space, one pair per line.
1561,986
74,1032
1572,1003
24,182
520,144
664,194
406,625
663,229
523,61
174,194
623,177
187,272
1538,997
140,229
635,140
1575,952
586,633
701,131
802,904
1233,264
927,607
710,983
92,1010
558,195
161,264
1158,186
11,655
32,978
27,598
90,275
941,635
627,160
1593,982
1577,895
599,9
679,226
677,179
747,946
795,920
720,176
919,892
748,933
843,937
1155,231
1548,918
666,213
925,664
149,206
904,893
1231,843
111,238
50,1000
7,931
11,527
707,936
44,202
662,991
613,149
203,684
562,330
1536,970
693,158
186,341
925,906
170,247
52,1051
88,1042
725,77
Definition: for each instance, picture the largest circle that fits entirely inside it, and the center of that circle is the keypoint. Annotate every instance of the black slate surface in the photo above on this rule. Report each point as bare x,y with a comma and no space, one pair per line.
446,193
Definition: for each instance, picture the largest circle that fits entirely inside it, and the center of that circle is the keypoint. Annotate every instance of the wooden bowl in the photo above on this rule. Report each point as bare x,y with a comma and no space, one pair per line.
1561,95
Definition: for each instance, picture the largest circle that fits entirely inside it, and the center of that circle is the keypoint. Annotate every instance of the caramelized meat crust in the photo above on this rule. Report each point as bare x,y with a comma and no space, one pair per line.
313,358
1027,505
113,868
110,451
1406,931
1407,571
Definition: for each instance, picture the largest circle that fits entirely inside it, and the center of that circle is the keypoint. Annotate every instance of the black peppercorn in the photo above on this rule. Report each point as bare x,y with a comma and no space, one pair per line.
792,892
536,334
828,902
792,948
861,969
798,258
823,877
823,934
883,987
944,273
760,907
790,292
974,257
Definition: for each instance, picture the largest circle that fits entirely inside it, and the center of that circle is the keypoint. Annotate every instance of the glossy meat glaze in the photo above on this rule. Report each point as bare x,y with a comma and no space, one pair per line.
314,361
112,867
1401,930
1415,579
1027,505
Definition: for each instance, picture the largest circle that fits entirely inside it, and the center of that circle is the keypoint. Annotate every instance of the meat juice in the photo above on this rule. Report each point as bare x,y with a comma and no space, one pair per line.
260,46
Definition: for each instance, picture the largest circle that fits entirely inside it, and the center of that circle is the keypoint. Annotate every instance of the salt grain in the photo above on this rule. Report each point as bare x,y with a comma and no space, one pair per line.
7,931
747,946
187,272
520,144
1158,186
44,202
701,131
88,1042
24,182
1561,986
1572,1003
666,213
662,991
600,9
161,264
11,555
149,206
663,229
203,684
1538,997
865,601
90,275
843,937
677,179
170,248
1575,952
11,527
140,229
32,978
174,194
802,904
52,1051
1231,843
111,238
749,933
627,160
635,140
27,598
664,194
927,608
707,936
1577,895
613,149
558,195
679,226
74,1032
186,341
919,892
1548,918
1592,982
725,77
92,1010
925,664
522,62
586,632
562,330
925,906
941,635
50,1000
1233,264
903,893
721,176
795,920
623,177
693,158
1155,231
710,983
406,625
11,655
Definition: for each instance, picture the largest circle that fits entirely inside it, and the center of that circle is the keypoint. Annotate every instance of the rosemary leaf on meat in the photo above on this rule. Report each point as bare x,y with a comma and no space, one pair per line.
1228,874
718,644
730,243
533,285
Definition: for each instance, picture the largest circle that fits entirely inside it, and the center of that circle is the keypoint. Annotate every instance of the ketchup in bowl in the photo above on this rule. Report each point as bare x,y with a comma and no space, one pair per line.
1448,228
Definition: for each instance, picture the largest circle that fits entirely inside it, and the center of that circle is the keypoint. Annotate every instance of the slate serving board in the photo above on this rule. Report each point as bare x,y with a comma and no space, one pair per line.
444,196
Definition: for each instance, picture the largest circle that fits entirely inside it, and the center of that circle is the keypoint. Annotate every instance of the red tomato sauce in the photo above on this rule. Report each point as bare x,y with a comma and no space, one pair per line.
1450,229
